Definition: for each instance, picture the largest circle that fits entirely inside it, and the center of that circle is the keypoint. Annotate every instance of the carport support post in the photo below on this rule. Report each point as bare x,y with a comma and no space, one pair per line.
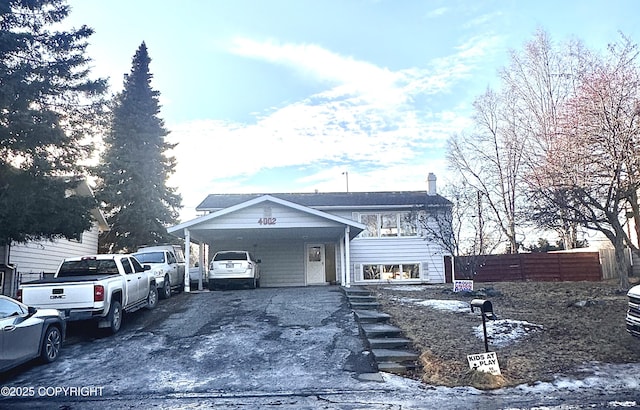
187,256
201,264
343,276
347,257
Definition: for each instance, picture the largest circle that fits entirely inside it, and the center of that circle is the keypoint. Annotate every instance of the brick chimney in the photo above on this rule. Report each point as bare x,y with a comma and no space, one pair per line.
431,180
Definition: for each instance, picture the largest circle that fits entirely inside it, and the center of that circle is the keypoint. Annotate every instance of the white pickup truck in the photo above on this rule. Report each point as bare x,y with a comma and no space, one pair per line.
167,264
633,311
97,287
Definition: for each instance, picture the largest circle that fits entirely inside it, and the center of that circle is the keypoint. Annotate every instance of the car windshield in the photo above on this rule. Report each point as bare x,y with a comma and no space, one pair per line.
230,256
150,257
88,267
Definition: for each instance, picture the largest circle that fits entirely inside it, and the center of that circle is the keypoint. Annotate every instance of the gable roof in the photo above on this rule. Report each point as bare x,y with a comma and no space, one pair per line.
358,227
332,200
83,189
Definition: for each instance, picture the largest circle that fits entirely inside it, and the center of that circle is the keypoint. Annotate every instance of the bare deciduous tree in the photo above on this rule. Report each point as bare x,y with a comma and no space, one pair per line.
540,79
461,229
597,160
490,161
564,130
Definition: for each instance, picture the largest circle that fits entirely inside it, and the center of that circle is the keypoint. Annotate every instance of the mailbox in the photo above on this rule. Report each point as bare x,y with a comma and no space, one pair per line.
486,308
486,311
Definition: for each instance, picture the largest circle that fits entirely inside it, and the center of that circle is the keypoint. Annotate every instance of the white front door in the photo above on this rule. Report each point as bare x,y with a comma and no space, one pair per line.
315,264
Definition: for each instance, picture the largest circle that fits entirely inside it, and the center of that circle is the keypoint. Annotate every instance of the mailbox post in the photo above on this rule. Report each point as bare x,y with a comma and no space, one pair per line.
486,311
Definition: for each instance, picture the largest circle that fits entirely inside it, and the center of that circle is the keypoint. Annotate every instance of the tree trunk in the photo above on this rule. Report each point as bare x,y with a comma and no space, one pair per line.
622,264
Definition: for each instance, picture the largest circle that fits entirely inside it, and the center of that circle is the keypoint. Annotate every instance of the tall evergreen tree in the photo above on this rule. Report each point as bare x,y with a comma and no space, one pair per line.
49,108
134,169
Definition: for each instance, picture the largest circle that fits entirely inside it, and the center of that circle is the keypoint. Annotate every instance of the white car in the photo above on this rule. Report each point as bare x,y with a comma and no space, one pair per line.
228,267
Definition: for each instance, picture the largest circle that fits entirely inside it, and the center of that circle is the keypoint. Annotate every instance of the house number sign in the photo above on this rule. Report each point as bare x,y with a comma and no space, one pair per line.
267,221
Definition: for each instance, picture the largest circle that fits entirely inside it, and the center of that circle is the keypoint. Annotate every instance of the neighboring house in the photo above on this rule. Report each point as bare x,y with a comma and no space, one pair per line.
30,261
323,238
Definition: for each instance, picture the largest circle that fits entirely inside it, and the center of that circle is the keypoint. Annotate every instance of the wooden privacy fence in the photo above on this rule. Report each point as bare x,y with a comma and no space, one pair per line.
540,267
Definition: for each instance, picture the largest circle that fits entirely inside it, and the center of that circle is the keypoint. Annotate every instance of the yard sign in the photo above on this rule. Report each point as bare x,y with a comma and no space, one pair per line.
462,285
484,362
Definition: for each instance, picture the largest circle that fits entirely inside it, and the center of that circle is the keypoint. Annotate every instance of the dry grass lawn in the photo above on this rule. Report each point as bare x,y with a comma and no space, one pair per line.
577,323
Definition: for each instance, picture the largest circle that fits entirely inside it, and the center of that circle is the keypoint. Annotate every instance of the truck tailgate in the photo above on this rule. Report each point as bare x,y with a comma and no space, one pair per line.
59,296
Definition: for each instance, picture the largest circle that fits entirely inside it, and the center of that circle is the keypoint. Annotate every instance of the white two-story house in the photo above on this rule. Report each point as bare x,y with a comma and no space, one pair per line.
342,238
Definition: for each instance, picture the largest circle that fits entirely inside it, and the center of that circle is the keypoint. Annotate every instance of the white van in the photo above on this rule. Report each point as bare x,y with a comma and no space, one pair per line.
167,264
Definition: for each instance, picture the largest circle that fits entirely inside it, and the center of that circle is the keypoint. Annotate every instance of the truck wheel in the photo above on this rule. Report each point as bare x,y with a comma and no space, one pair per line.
152,297
51,344
166,288
115,317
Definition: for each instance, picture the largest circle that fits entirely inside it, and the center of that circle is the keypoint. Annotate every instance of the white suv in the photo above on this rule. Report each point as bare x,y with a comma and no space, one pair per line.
234,267
167,264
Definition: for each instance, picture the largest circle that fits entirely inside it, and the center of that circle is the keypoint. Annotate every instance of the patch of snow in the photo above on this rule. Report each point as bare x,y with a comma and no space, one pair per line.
448,305
202,348
505,331
179,382
622,403
407,300
407,288
593,377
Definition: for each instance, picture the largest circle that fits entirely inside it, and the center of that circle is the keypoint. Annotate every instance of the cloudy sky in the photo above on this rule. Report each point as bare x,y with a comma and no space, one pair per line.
299,95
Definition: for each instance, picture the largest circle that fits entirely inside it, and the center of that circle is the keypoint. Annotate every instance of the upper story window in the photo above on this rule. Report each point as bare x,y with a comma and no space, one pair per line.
389,224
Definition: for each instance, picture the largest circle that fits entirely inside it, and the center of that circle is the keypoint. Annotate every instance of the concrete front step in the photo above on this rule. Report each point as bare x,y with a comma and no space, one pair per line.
396,368
394,355
388,342
356,292
361,298
371,316
376,330
364,305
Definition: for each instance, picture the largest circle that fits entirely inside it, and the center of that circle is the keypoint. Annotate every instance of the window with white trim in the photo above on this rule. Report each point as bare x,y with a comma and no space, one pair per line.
388,224
390,271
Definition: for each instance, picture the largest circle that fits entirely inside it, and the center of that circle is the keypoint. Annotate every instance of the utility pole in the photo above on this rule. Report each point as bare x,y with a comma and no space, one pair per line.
480,225
346,174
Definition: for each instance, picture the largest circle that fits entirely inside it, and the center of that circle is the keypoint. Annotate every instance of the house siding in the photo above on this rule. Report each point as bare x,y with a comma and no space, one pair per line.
398,250
394,250
45,256
250,217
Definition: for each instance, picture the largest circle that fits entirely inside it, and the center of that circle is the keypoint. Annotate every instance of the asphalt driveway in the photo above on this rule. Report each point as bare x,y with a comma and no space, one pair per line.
285,348
262,342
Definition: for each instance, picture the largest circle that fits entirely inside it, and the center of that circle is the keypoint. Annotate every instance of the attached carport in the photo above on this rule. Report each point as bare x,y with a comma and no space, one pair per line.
297,245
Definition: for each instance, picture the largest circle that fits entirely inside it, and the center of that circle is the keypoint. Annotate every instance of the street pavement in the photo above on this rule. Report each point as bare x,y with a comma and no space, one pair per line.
285,348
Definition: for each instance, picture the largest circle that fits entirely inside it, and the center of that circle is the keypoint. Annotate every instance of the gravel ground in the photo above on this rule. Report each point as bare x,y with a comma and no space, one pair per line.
546,329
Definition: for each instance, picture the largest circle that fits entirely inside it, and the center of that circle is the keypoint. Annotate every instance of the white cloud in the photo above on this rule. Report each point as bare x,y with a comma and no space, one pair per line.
346,73
367,116
482,20
437,12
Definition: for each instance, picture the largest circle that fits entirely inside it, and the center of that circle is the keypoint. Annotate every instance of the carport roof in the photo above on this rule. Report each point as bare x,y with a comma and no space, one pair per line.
332,200
356,226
